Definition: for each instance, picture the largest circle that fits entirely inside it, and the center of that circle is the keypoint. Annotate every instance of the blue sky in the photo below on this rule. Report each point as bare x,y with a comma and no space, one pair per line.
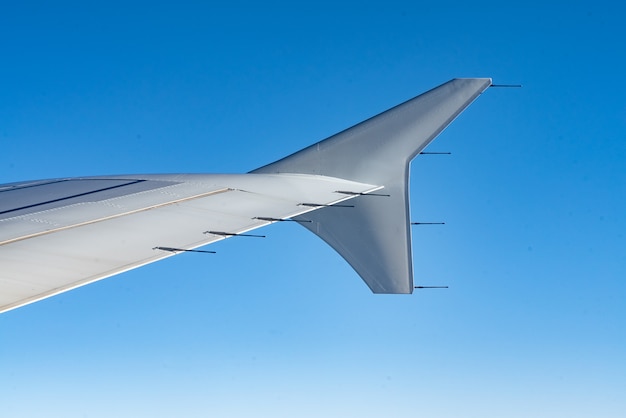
533,197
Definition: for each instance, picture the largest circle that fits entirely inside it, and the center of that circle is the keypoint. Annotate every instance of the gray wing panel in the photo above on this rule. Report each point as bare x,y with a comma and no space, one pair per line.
378,149
24,198
375,236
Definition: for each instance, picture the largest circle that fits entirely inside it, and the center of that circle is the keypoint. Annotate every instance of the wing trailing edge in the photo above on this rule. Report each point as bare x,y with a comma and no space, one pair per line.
374,237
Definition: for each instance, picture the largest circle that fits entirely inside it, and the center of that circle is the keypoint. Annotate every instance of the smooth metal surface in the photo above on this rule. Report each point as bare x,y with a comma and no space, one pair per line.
95,236
375,236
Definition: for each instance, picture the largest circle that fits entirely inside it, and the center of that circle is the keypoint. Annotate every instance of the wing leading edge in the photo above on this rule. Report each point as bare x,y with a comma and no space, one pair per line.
56,235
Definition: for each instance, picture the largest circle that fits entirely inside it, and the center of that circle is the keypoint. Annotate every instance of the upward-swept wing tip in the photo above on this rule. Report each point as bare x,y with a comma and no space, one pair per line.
375,236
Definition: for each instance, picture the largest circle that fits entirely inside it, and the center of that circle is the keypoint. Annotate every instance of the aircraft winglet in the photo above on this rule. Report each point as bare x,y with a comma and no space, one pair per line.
375,235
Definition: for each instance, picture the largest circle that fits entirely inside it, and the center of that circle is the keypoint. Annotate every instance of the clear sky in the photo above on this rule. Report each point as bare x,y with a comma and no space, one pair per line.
533,196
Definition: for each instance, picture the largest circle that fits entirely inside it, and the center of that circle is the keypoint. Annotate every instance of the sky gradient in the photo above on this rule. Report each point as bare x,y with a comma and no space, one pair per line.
533,196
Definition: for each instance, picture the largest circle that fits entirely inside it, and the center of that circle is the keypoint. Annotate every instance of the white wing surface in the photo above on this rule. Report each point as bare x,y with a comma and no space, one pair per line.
56,235
61,234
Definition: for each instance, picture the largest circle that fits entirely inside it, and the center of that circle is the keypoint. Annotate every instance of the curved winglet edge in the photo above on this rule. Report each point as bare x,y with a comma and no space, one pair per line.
374,237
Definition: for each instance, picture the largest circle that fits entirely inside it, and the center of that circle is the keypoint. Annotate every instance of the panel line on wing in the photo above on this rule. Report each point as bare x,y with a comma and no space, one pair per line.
60,199
348,196
160,205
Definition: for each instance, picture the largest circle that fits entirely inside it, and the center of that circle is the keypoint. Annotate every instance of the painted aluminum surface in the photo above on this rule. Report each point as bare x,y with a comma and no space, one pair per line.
376,237
82,230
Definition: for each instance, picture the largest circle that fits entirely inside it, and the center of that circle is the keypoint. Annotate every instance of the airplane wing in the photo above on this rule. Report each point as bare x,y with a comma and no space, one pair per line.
59,234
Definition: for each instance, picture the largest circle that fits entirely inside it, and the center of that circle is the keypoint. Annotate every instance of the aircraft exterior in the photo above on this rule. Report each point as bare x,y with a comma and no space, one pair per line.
350,189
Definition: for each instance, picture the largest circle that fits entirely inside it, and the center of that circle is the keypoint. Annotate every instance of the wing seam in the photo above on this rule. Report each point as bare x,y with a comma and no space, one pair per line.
118,215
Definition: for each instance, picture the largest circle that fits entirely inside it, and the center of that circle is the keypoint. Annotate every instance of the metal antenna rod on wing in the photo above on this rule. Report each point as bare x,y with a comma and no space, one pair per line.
178,250
430,287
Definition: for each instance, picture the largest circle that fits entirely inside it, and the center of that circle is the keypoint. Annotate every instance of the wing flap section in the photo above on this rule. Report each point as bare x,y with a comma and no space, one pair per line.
113,235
